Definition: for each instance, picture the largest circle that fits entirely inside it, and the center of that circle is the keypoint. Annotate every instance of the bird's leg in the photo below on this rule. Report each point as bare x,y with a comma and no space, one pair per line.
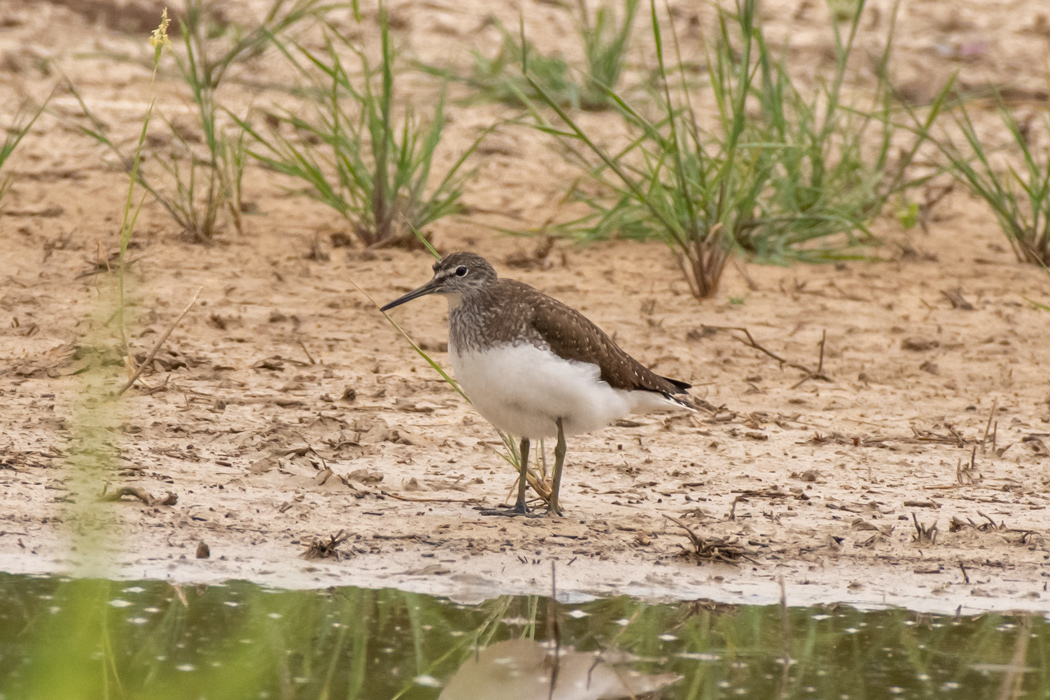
520,508
559,460
523,482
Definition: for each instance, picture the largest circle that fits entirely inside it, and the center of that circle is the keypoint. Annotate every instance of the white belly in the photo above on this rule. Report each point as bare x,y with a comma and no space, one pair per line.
523,390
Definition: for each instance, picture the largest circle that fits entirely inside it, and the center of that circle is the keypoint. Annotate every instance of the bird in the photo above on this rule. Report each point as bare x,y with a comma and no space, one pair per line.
534,367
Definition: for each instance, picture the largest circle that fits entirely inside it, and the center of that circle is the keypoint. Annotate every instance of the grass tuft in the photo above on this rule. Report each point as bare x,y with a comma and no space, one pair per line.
1018,196
20,126
355,155
605,44
782,174
695,190
837,163
605,36
199,184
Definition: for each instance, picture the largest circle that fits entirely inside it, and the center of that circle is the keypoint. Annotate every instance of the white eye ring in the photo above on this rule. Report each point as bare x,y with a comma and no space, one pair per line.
461,271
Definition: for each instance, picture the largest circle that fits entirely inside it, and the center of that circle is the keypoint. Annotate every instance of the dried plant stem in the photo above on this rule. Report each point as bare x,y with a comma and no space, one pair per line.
159,344
750,341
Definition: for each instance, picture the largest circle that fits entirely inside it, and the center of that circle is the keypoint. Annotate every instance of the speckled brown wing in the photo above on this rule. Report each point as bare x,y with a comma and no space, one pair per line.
571,335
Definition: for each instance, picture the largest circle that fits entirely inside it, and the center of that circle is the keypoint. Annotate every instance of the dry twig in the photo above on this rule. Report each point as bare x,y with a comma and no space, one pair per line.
952,437
307,353
160,342
924,534
750,341
931,198
991,526
169,500
988,427
956,298
415,499
965,474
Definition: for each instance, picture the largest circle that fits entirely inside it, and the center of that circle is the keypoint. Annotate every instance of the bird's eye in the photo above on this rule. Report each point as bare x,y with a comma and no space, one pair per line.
461,271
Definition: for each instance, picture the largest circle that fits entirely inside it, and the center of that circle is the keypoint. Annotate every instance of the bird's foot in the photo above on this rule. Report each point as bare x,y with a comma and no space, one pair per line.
554,511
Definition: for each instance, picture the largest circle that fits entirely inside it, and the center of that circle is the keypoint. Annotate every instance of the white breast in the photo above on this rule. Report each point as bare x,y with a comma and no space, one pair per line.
523,390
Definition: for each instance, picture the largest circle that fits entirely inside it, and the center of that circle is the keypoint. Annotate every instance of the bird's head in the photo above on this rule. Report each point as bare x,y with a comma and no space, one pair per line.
455,275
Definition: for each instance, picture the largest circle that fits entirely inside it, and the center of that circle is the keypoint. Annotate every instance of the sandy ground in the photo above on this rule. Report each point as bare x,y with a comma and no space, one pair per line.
284,409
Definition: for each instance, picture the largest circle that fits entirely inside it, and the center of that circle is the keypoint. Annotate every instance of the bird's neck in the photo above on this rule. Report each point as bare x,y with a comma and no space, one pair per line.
468,315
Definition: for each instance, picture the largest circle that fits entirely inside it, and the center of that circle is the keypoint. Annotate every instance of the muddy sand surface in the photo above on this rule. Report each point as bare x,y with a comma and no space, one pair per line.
284,410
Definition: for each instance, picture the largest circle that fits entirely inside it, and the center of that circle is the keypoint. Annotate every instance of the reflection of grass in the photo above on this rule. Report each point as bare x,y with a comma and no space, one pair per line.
100,639
148,639
64,643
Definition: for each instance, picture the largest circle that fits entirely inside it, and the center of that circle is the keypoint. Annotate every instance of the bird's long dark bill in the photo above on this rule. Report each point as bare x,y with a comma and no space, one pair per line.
427,288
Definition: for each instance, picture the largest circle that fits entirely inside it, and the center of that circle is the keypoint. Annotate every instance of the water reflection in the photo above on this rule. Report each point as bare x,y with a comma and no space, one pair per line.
521,669
148,639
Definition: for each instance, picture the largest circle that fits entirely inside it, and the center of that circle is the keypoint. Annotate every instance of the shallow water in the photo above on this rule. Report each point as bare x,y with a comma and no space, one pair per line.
67,638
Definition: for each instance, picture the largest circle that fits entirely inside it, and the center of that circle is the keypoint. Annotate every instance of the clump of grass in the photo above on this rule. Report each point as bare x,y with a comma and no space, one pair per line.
1019,197
199,185
782,175
496,79
354,154
697,191
207,181
837,164
605,36
20,126
605,44
210,188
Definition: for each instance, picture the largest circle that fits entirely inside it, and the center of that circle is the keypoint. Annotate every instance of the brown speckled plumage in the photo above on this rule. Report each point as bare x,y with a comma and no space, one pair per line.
502,311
